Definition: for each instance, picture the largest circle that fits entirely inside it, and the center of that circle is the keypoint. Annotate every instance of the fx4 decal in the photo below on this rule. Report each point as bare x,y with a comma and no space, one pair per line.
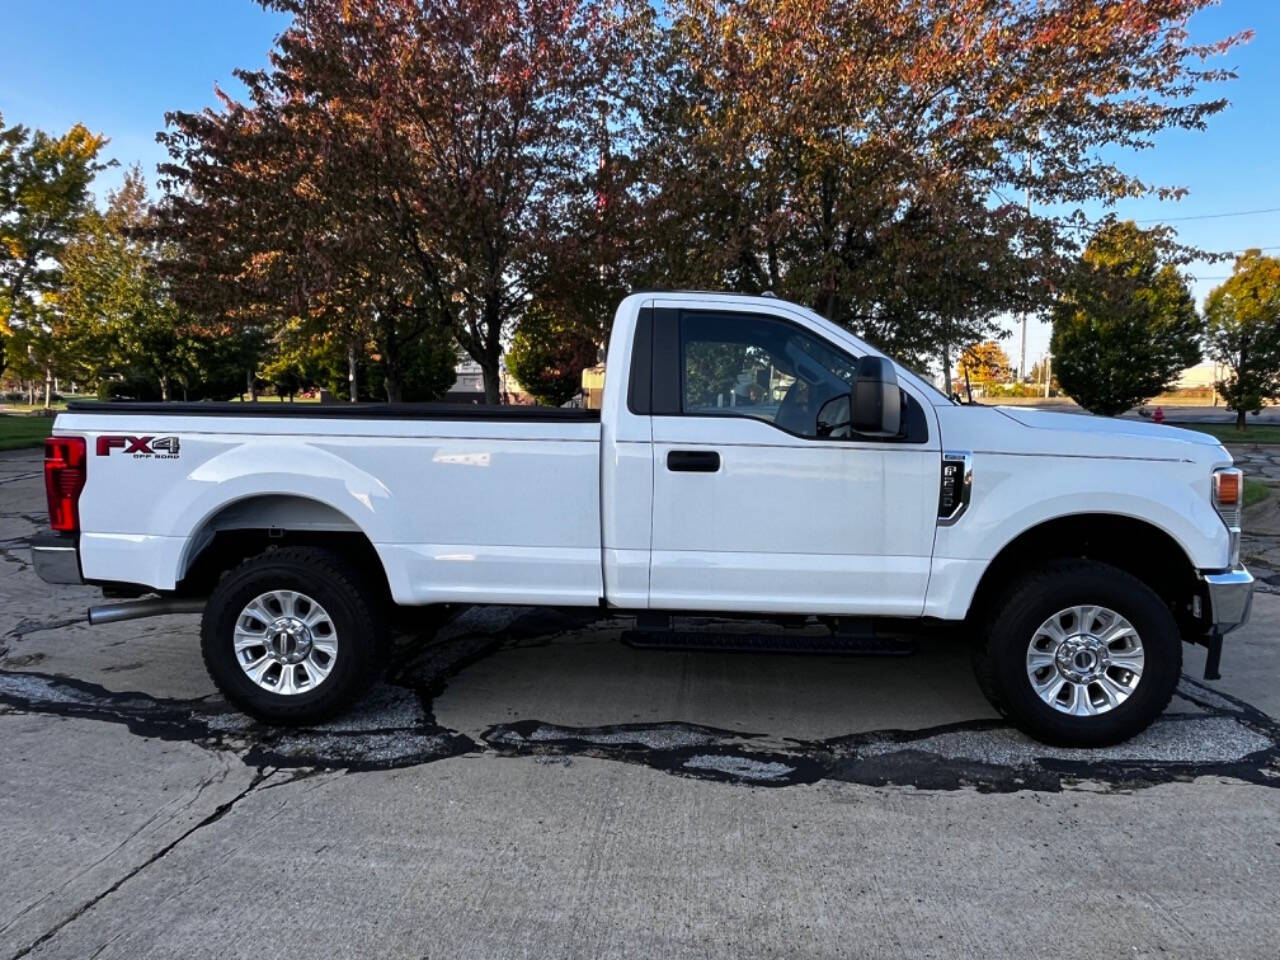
157,448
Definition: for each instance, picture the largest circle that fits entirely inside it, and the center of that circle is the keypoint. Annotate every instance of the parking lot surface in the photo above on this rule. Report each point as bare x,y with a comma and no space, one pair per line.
525,784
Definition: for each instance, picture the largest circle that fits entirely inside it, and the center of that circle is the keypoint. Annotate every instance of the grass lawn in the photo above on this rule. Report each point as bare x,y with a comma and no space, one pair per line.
1227,432
19,430
29,408
1255,491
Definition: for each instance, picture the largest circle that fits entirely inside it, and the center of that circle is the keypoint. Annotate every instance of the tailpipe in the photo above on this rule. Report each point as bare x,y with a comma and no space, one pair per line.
137,609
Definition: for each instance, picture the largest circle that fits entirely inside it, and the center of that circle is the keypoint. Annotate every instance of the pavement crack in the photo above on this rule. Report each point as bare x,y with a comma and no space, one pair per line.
26,627
396,726
218,813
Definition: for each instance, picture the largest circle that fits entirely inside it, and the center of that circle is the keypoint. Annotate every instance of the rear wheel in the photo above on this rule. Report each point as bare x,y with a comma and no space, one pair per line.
1080,653
293,635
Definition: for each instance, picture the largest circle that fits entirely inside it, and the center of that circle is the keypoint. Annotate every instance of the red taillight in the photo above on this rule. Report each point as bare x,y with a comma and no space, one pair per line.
64,462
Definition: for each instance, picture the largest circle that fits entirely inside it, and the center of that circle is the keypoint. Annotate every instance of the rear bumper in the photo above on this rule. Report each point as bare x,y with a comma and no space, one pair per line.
1230,598
56,557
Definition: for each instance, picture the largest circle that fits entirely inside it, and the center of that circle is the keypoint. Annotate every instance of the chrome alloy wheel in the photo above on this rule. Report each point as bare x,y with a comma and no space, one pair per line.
1085,660
285,642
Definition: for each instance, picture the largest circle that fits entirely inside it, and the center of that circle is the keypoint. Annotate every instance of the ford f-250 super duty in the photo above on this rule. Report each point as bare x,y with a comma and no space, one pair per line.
749,458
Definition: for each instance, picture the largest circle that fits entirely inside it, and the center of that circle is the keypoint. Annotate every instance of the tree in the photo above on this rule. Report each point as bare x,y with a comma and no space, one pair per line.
410,164
1125,326
44,196
120,318
548,354
869,158
984,363
1243,333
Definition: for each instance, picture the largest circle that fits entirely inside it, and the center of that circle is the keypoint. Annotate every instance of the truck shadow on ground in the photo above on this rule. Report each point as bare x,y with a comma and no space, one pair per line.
1205,733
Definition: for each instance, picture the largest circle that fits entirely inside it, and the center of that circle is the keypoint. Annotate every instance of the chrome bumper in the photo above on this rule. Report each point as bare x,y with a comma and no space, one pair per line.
1230,598
56,558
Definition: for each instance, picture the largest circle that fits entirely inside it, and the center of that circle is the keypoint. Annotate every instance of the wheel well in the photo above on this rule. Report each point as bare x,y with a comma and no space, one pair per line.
1135,546
255,525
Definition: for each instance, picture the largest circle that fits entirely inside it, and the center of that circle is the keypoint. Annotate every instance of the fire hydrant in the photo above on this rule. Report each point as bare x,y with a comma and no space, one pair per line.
1158,416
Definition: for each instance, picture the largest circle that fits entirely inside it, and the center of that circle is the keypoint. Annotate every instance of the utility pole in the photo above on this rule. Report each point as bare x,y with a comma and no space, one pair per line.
1022,362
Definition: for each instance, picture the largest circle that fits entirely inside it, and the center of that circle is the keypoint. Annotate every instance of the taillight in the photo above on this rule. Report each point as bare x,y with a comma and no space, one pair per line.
64,474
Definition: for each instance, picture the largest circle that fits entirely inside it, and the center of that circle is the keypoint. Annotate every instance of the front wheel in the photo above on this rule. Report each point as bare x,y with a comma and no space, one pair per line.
293,635
1080,654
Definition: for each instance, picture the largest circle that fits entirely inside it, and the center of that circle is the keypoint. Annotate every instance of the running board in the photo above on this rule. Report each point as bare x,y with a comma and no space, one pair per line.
865,644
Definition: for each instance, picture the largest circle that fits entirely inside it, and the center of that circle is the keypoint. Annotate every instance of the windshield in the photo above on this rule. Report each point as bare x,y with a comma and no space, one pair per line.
926,382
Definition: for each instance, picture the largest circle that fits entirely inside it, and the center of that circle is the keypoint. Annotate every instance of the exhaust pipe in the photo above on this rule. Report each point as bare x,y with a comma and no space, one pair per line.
137,609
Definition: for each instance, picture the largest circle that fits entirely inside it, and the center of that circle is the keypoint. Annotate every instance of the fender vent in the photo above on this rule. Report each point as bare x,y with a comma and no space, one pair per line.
956,485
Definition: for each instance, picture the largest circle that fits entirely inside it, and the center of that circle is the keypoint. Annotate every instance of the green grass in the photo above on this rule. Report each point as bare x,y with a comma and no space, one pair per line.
20,430
1255,491
1227,432
33,408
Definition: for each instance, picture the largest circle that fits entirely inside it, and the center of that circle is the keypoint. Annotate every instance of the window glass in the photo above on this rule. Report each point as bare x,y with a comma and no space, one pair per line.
754,366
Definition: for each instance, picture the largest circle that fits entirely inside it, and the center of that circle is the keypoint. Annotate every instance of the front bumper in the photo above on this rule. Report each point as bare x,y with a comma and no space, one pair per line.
1230,598
56,557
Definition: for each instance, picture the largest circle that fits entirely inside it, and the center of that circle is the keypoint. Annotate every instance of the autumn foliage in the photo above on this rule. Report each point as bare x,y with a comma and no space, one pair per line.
411,168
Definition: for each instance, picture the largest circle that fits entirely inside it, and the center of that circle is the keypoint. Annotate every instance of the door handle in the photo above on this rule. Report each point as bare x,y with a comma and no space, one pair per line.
693,461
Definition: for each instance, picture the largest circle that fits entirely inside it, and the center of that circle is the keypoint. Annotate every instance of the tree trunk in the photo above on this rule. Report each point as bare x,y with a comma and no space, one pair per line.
391,381
48,388
1240,415
252,382
164,388
352,387
946,368
491,368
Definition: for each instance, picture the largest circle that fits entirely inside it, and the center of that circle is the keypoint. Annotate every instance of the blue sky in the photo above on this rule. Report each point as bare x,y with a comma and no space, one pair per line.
118,66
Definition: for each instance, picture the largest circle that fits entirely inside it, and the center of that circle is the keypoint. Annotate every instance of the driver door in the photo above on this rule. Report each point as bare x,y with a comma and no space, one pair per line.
761,505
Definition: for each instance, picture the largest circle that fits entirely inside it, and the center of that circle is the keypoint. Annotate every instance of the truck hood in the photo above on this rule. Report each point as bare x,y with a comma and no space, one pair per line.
1086,423
1026,432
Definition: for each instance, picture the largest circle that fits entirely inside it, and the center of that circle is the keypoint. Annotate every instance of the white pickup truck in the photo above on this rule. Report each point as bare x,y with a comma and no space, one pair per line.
750,458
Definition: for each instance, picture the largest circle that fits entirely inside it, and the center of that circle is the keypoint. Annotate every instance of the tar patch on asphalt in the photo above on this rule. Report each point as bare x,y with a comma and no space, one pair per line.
395,726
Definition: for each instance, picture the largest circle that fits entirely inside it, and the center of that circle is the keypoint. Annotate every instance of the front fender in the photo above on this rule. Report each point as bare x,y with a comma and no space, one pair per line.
1012,494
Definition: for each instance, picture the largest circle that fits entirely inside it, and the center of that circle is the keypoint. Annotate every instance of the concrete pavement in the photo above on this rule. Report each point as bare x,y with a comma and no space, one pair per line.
527,785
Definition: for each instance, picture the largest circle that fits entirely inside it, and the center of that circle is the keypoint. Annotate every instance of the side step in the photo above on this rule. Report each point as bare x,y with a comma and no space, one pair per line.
852,639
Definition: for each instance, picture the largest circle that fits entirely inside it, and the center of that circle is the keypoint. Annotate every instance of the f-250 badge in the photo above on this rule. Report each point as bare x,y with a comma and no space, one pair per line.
153,448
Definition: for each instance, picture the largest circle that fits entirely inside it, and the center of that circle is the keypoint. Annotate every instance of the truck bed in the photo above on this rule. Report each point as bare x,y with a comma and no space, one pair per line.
460,502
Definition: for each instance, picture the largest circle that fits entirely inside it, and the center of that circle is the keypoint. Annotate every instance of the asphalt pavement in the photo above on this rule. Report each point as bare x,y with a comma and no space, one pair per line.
526,784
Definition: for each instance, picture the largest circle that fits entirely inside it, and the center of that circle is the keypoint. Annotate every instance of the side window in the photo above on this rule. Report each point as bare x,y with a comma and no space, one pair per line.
748,365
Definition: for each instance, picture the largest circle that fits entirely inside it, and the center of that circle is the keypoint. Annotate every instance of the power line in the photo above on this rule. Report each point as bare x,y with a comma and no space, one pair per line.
1274,246
1210,216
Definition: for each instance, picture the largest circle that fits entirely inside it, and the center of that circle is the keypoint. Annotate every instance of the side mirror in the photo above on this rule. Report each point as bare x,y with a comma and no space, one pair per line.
877,398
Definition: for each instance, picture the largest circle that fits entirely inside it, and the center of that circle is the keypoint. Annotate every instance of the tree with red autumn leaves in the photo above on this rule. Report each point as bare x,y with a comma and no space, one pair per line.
424,167
402,165
871,158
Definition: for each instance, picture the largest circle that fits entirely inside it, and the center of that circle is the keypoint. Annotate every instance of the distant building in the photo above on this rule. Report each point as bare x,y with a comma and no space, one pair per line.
468,384
1200,376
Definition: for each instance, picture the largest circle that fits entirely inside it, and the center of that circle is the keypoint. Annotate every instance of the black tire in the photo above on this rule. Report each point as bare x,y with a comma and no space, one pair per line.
1000,658
355,608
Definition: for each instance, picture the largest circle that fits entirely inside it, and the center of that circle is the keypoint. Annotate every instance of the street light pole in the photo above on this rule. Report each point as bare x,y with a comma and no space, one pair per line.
1022,362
